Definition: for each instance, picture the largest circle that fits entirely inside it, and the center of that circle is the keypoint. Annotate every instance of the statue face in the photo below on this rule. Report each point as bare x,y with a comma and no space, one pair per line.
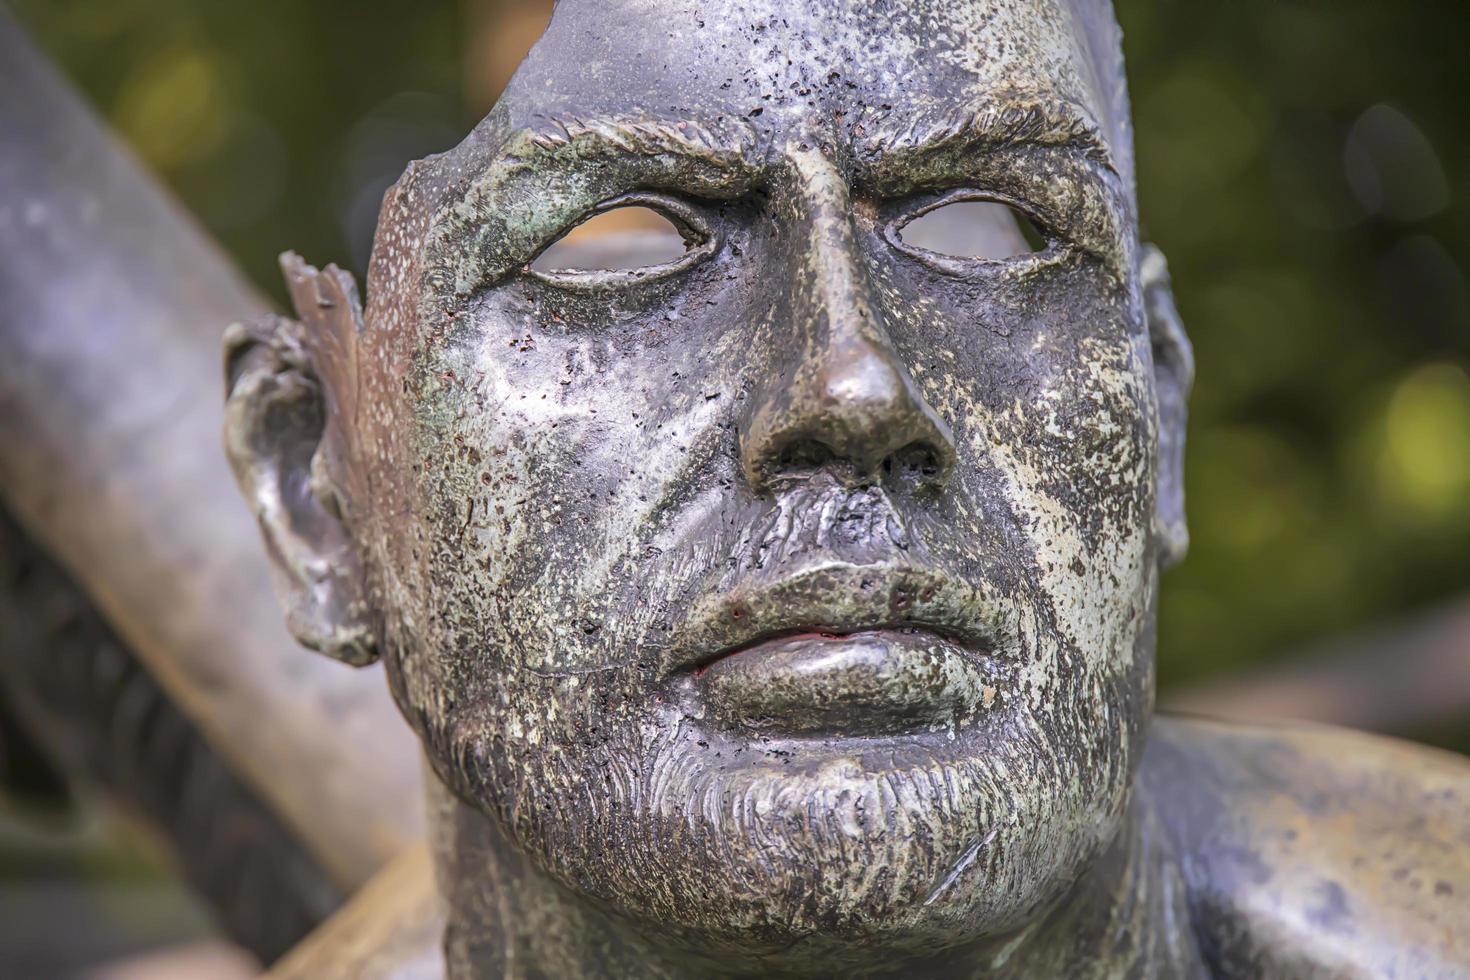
800,589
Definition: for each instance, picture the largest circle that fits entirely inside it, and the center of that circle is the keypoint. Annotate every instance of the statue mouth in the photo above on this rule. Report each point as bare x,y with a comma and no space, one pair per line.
845,649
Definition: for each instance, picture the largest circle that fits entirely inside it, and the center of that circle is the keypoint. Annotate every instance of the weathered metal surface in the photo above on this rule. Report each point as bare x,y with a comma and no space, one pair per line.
110,305
1305,852
788,607
1311,853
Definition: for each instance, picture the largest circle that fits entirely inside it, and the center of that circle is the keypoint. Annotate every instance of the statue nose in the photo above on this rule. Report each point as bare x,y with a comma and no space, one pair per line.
839,397
852,410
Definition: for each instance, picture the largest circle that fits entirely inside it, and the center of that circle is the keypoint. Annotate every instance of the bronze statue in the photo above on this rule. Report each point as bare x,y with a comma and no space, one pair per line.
785,605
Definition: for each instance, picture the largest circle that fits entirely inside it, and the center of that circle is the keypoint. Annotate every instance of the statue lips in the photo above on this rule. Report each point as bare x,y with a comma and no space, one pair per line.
871,682
843,649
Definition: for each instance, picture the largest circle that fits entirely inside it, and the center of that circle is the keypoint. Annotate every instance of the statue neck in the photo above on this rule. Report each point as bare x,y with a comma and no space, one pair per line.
1126,916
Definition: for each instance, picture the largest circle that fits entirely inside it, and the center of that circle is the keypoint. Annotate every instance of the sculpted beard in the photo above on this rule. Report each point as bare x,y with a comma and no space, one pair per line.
608,782
889,841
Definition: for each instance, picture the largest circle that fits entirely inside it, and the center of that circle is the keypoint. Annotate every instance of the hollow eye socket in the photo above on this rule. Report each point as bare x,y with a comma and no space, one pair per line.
627,238
982,231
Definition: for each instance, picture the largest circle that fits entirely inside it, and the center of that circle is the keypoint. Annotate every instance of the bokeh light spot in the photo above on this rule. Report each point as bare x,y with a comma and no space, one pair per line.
171,108
1423,462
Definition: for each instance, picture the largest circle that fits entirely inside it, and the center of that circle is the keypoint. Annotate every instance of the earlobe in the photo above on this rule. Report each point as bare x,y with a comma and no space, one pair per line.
1173,375
285,443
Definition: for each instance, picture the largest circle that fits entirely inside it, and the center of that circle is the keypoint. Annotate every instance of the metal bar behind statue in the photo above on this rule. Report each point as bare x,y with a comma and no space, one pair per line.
112,304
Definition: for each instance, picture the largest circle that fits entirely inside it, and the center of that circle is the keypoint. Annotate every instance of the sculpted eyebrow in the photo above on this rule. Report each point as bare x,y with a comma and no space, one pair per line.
1050,154
544,177
732,147
938,146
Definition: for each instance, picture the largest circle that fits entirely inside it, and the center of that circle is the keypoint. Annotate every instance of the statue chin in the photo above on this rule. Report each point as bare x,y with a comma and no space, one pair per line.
785,852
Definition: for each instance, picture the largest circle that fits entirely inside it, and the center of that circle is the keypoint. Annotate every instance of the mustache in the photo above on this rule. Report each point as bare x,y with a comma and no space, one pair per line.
834,559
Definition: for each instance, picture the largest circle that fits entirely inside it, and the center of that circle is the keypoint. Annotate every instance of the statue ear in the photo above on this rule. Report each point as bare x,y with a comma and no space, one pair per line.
290,384
1173,375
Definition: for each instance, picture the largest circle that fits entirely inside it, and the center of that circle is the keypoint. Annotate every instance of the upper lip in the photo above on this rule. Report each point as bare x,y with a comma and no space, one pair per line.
838,597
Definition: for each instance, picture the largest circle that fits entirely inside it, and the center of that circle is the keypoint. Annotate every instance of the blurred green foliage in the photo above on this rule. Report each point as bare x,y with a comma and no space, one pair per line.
278,123
1302,163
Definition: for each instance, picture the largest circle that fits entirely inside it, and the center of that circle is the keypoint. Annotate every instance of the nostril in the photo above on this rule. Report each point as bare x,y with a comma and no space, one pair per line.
803,454
914,464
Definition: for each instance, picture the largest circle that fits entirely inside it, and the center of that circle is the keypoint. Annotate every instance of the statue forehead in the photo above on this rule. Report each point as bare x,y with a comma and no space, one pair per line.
782,59
766,74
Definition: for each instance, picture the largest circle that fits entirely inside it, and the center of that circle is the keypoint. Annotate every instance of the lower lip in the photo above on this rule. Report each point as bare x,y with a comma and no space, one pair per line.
876,682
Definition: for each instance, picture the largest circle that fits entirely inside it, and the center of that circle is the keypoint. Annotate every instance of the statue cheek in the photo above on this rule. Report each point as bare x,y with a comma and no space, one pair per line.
1075,467
540,493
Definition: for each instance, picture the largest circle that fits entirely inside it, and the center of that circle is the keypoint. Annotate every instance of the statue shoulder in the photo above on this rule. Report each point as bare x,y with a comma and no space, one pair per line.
1312,851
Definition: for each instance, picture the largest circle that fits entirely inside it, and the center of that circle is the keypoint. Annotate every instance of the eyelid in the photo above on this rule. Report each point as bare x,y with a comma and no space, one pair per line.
685,217
955,195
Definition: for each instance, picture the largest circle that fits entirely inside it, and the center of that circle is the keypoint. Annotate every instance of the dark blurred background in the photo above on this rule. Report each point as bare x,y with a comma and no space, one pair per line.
1301,163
